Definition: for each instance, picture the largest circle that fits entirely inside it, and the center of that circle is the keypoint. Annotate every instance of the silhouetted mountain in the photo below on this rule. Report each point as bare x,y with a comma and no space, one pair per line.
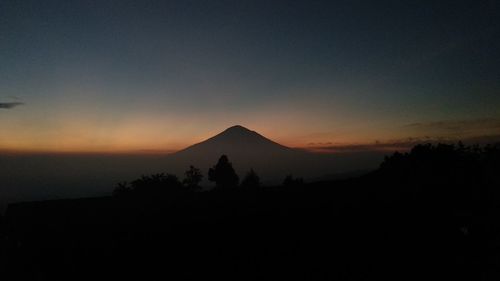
235,141
239,144
248,149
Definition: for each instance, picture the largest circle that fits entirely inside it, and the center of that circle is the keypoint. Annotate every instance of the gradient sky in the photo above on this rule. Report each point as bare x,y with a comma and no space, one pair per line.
161,75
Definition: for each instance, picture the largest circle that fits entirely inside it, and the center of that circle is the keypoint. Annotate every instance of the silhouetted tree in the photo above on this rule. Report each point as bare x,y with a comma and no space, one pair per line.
291,181
193,178
157,183
251,180
121,189
223,173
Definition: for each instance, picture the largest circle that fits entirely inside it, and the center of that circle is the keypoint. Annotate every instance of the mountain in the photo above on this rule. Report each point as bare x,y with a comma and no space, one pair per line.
245,148
236,141
248,149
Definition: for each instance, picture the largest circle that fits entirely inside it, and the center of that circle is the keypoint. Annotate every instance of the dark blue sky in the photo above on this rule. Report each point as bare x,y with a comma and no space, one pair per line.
120,75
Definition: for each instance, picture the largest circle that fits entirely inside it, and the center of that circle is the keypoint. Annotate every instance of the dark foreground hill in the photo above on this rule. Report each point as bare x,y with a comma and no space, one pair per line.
429,214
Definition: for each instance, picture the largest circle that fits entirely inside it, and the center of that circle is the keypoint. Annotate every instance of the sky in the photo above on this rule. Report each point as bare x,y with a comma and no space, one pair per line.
118,76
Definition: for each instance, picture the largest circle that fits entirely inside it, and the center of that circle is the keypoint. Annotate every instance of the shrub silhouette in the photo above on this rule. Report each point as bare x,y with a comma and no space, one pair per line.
291,181
193,178
223,174
122,189
156,183
151,185
251,180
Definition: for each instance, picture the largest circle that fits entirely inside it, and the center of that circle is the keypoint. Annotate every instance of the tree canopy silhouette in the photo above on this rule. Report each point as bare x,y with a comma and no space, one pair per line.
291,181
154,184
193,178
122,189
449,172
251,180
223,173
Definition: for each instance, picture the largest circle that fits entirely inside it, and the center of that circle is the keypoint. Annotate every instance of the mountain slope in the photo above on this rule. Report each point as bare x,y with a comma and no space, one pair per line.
235,141
245,148
248,149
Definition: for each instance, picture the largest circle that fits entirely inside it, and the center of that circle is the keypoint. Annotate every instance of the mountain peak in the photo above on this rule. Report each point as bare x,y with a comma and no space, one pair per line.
235,140
237,128
239,133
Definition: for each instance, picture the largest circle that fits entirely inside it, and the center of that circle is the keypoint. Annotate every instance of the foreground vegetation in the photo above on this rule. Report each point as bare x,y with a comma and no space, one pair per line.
431,213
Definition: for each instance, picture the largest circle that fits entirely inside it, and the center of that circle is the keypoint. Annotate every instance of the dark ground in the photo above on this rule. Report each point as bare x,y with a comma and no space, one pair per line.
431,214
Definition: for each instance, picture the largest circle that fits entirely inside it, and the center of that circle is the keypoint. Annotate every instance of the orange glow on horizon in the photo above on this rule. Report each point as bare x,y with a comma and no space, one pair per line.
164,133
123,143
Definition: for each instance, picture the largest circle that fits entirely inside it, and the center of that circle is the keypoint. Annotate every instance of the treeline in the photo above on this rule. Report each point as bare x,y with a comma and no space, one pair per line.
222,174
444,162
451,174
422,169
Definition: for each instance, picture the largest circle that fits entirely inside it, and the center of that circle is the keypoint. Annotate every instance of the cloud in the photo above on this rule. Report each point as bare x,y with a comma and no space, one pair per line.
456,127
402,144
319,143
470,131
9,105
